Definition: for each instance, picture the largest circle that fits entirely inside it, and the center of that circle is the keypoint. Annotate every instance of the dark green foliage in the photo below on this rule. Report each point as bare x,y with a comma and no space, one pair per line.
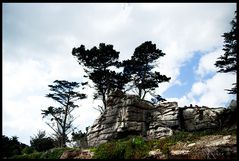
35,155
228,62
42,143
136,147
78,135
61,118
11,146
132,148
139,69
27,150
53,153
96,63
96,58
50,154
80,139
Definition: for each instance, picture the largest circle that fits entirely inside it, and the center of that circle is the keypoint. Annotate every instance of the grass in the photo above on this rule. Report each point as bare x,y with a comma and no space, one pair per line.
129,148
132,147
54,153
136,147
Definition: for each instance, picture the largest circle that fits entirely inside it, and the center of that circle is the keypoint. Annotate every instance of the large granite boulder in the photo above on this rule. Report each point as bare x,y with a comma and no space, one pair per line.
201,118
129,115
125,115
165,115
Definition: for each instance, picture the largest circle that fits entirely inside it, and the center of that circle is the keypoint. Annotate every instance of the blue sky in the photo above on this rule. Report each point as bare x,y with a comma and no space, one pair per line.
38,40
186,78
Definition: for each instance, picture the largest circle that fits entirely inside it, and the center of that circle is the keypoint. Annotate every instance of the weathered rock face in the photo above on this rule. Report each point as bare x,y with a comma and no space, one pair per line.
125,115
201,118
129,115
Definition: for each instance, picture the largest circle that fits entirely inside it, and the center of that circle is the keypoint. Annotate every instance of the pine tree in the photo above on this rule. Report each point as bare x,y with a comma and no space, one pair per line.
228,62
61,117
139,69
97,63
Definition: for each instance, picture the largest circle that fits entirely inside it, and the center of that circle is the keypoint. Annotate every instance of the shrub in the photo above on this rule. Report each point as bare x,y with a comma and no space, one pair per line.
130,148
42,143
27,150
35,155
11,146
53,153
50,154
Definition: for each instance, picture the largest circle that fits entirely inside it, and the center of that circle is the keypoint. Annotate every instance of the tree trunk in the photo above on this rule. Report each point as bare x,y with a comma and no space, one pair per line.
104,101
144,94
64,124
140,92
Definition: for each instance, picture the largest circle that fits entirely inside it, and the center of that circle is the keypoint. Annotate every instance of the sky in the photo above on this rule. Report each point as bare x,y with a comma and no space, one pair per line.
38,40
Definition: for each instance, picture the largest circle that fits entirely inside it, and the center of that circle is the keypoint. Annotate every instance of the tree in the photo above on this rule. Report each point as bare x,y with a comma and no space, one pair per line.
140,67
80,139
11,146
97,63
61,117
228,62
42,143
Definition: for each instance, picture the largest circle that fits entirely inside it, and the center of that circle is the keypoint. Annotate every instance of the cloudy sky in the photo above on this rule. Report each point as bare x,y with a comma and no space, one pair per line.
38,40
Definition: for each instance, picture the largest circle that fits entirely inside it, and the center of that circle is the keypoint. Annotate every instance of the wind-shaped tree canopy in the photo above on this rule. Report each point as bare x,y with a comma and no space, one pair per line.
140,66
97,63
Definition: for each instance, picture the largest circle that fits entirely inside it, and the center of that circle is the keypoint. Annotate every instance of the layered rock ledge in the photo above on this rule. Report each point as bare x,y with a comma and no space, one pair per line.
129,115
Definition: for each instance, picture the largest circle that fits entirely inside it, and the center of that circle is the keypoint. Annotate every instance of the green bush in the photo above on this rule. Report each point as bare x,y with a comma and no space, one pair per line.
11,146
53,153
35,155
42,143
27,150
50,154
130,148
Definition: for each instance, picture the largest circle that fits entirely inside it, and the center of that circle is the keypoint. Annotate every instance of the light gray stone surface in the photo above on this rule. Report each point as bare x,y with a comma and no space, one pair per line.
129,115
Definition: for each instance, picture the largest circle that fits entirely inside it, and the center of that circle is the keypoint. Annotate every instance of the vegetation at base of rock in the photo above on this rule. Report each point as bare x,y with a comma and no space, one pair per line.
54,153
182,136
35,155
128,148
136,147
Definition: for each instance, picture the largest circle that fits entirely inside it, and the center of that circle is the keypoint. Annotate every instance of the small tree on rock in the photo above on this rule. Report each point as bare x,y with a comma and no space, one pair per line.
97,63
140,66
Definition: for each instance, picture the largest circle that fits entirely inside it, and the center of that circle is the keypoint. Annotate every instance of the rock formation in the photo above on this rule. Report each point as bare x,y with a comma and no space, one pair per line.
129,115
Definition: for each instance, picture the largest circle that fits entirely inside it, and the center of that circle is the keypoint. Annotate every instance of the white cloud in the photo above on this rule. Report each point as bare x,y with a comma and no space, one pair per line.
215,94
206,63
210,92
198,88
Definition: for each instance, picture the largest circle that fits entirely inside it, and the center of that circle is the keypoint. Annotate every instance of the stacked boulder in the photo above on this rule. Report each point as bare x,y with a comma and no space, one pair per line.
129,115
201,118
164,118
125,115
